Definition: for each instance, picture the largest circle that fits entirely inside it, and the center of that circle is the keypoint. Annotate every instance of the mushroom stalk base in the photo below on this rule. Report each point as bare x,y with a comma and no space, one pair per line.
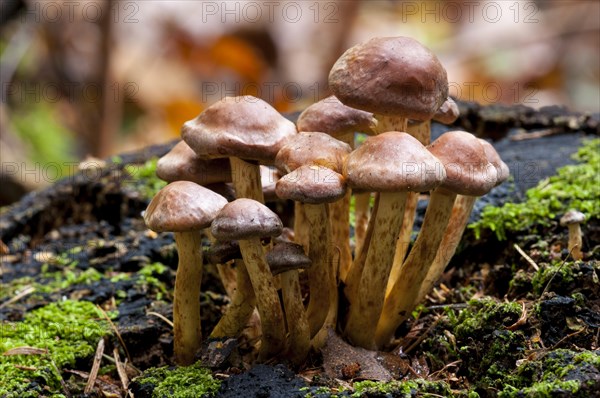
242,305
366,308
575,241
186,302
340,229
463,205
267,299
399,303
320,278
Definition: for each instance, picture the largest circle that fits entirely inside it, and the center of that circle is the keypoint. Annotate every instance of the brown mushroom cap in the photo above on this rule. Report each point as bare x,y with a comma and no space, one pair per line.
312,184
183,206
572,217
245,218
467,167
336,119
393,76
310,148
502,170
245,127
287,256
393,162
447,113
183,164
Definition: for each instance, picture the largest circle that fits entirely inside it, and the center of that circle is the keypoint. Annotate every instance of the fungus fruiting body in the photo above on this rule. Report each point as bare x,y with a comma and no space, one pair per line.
185,208
573,220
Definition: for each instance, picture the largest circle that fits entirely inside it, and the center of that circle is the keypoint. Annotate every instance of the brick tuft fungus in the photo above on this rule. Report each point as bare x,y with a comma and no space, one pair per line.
573,220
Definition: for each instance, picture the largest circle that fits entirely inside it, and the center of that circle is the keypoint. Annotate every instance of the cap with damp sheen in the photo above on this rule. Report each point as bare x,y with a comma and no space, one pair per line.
244,219
312,184
287,256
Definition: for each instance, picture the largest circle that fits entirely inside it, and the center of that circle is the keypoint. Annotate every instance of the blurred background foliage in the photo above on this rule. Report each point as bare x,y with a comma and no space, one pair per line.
92,78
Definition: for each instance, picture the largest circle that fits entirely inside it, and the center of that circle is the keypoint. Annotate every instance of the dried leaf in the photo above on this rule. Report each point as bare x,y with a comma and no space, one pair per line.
26,351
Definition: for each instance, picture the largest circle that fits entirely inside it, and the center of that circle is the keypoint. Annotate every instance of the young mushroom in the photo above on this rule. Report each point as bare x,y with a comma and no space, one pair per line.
245,129
185,208
392,164
573,220
468,173
285,259
247,221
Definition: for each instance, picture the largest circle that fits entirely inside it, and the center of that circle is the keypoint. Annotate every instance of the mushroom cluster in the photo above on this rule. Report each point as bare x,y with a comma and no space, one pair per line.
289,287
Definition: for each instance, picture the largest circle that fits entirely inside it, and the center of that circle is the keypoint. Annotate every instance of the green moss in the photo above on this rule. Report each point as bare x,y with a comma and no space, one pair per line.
147,278
574,186
554,374
68,330
143,178
406,388
484,316
183,382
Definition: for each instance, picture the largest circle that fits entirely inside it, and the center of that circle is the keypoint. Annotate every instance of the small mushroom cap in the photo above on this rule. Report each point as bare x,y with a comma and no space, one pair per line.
221,252
183,164
287,256
393,162
310,148
467,167
394,76
502,170
312,184
244,219
245,127
183,206
572,217
336,119
447,113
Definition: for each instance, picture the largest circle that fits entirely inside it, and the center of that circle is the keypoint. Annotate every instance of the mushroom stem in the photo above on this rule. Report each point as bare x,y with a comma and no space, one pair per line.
366,308
422,132
463,205
575,241
390,123
242,305
297,321
320,278
353,278
340,230
267,299
400,301
362,203
301,232
186,301
246,179
228,278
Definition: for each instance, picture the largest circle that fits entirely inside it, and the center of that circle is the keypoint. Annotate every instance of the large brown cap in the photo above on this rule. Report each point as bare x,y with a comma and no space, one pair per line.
502,170
336,119
467,167
393,162
183,206
287,256
244,219
245,127
309,148
394,76
183,164
447,113
572,217
312,184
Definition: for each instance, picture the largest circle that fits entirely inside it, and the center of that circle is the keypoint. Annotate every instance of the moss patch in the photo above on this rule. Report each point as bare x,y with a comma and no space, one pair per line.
143,178
574,186
68,330
183,382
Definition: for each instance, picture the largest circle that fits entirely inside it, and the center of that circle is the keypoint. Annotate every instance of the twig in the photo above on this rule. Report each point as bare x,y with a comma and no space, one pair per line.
164,318
60,379
536,134
526,257
568,337
95,367
558,270
121,371
422,336
25,292
521,321
114,328
455,306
